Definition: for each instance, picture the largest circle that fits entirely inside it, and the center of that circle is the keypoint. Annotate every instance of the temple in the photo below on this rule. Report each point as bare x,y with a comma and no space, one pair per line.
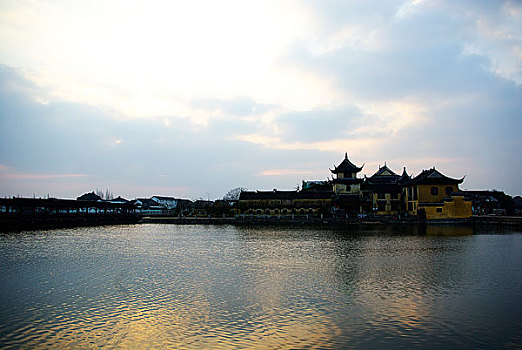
347,187
382,191
432,195
427,196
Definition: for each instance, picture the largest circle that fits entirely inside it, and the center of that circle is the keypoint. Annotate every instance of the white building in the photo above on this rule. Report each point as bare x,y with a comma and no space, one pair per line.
168,202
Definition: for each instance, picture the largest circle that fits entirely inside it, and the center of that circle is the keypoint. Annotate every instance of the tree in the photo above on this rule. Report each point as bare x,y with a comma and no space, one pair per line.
106,196
233,195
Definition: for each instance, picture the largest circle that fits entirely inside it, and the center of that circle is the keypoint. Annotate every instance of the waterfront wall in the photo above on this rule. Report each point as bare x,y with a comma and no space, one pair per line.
493,220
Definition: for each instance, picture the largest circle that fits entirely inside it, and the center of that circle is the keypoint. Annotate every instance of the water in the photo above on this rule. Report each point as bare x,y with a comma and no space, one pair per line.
219,287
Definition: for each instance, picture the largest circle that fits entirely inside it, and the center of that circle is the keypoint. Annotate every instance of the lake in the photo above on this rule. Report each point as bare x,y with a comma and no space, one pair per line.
221,287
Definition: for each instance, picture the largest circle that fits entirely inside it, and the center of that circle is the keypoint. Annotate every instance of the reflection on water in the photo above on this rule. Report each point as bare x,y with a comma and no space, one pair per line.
161,286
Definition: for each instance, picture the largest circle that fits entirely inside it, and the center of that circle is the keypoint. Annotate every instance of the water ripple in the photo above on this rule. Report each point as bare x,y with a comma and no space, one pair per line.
192,287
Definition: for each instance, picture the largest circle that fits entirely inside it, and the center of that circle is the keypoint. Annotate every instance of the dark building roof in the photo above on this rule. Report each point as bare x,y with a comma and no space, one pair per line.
434,177
405,178
346,167
164,198
59,203
386,181
383,176
119,200
284,195
147,203
89,197
316,186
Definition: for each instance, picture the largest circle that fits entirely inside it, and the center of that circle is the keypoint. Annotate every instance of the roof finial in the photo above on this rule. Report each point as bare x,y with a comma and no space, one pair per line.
384,163
346,155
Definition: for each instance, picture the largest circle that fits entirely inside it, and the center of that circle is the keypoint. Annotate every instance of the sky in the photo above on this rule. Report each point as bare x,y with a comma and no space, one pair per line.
190,99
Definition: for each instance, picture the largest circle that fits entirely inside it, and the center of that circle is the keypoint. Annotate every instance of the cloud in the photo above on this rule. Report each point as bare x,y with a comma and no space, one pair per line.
7,173
238,106
318,125
215,100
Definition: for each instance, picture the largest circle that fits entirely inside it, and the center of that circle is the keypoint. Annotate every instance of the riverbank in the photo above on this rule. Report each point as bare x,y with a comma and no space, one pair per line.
276,220
8,224
484,220
29,223
495,220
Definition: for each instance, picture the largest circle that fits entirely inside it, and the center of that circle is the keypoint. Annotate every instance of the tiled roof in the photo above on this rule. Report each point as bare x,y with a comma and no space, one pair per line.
383,176
89,197
434,177
346,167
164,198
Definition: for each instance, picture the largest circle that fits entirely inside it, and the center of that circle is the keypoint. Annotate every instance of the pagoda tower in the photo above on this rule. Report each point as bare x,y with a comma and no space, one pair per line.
345,180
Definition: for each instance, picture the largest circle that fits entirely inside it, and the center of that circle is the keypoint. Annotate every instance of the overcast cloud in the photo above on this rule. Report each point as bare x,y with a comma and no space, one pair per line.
193,99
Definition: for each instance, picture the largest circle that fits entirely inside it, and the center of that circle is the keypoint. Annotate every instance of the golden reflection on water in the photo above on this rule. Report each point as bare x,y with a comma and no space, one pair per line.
181,327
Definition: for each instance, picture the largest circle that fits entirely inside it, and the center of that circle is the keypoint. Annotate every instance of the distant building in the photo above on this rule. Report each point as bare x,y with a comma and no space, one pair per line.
185,206
316,186
119,200
147,206
347,187
430,195
285,202
202,207
493,202
89,197
168,202
434,196
383,191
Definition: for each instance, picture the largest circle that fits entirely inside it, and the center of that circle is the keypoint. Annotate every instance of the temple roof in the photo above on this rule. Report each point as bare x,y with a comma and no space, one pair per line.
89,197
383,175
384,171
346,167
404,177
434,177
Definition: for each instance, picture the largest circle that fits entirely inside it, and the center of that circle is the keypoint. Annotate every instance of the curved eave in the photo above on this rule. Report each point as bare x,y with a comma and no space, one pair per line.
346,170
446,181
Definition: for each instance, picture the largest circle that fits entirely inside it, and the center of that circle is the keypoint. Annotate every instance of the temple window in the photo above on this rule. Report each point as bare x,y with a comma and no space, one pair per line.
434,191
449,190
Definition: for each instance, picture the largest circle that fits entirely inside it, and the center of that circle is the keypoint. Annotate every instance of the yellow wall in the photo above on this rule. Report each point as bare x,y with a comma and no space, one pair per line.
458,208
424,192
342,188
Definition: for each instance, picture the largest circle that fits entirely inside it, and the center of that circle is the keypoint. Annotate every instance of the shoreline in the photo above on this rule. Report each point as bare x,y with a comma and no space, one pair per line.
17,224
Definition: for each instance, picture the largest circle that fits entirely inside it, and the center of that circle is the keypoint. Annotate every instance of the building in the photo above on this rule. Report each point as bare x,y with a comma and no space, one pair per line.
185,206
434,196
430,195
146,206
347,187
168,202
382,192
316,186
89,197
285,203
202,207
118,200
